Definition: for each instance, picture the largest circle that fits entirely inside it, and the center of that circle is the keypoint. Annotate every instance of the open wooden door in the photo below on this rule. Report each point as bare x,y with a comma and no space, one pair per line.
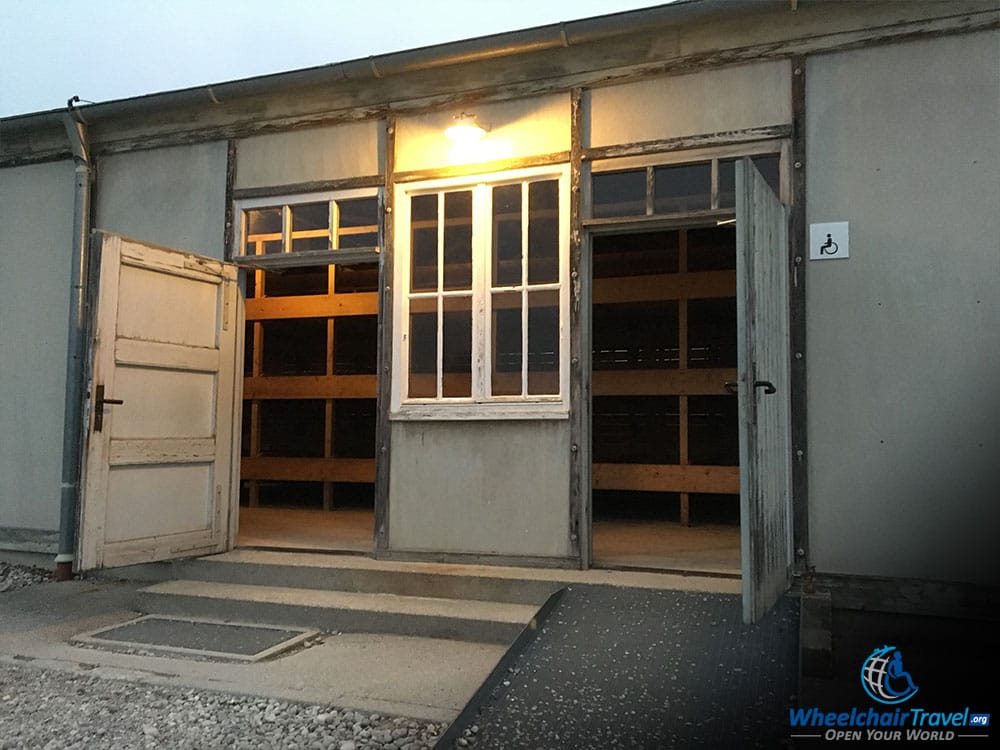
764,391
161,452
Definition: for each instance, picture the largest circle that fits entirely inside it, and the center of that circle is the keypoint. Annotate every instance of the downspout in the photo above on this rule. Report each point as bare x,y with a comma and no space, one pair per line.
76,130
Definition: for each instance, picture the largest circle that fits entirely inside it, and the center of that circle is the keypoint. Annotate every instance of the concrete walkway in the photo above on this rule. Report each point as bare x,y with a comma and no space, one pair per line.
422,678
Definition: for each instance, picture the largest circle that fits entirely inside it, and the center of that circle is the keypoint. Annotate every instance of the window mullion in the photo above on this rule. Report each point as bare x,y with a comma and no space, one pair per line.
482,304
286,229
334,225
439,370
524,288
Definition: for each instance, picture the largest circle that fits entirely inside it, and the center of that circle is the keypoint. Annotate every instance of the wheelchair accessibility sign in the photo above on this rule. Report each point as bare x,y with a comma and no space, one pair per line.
829,241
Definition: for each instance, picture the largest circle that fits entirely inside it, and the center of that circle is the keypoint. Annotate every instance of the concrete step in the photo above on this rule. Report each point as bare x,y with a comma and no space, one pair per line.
340,611
363,575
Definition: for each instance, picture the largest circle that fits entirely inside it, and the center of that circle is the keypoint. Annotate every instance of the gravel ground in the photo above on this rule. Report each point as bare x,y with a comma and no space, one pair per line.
50,710
19,576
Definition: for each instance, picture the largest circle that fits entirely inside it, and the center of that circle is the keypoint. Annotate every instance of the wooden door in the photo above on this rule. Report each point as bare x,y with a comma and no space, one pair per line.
162,446
764,396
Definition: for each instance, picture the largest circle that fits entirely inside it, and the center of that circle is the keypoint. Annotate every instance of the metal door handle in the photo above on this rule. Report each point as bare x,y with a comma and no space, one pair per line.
732,387
767,385
99,402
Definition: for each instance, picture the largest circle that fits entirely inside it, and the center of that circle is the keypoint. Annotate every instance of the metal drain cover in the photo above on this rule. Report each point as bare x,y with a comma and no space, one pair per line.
196,638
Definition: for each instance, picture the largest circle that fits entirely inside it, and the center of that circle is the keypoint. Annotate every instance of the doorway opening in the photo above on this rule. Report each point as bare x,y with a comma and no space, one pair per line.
664,426
307,474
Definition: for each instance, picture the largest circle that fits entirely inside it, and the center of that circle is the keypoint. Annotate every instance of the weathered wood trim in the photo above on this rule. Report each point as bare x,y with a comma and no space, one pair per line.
797,246
906,595
708,218
579,397
471,558
229,228
686,143
308,469
317,186
330,257
723,480
489,167
313,306
383,427
310,386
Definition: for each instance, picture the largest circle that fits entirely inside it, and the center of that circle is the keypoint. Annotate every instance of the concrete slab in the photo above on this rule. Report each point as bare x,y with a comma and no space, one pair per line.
341,611
421,678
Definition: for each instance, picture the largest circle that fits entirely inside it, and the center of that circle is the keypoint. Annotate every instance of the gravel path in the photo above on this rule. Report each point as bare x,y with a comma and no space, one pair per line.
50,710
19,576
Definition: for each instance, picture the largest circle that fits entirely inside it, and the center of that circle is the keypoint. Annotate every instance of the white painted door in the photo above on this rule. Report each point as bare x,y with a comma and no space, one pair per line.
161,452
764,391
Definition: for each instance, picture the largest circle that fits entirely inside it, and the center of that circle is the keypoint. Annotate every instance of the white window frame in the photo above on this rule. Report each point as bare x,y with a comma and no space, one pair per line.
303,257
481,404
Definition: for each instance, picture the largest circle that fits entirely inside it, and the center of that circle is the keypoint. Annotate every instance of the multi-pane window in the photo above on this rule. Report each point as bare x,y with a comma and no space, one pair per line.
483,292
314,224
707,185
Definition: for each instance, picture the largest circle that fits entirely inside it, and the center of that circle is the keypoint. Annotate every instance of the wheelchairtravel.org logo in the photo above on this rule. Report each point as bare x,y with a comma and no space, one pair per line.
885,680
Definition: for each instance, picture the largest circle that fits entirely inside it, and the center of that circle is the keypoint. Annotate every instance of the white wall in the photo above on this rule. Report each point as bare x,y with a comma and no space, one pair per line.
175,197
904,336
327,153
711,101
492,488
36,231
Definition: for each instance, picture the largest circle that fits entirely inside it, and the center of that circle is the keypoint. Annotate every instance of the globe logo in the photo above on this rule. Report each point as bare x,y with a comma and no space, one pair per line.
883,676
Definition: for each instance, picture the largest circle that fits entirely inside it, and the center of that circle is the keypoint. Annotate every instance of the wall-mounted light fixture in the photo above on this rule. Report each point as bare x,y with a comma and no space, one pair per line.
465,129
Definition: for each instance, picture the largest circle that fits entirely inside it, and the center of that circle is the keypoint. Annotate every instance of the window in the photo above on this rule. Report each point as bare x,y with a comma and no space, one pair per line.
482,296
686,188
316,228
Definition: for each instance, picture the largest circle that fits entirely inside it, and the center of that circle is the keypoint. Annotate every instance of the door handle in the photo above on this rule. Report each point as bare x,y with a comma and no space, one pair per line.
767,385
732,387
99,402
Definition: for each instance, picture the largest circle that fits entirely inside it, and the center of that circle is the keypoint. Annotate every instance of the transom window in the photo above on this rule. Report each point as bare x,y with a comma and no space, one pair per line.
482,294
707,185
316,227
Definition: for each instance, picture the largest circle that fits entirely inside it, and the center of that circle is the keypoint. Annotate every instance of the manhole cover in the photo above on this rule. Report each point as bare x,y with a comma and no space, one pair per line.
195,638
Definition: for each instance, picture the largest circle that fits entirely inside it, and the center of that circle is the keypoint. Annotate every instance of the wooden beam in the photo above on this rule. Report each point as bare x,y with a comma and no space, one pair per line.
686,143
579,402
797,245
504,165
383,429
666,286
318,186
311,386
282,469
707,382
667,478
312,306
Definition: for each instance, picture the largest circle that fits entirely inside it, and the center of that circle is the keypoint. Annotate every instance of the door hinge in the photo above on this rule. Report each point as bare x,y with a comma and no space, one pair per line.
225,306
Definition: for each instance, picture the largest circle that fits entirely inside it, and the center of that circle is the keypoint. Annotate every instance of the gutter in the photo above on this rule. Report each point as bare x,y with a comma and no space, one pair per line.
76,131
494,46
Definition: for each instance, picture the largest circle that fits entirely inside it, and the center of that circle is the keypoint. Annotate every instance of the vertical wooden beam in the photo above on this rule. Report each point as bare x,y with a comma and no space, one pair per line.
229,227
383,427
579,362
797,248
330,412
684,499
256,367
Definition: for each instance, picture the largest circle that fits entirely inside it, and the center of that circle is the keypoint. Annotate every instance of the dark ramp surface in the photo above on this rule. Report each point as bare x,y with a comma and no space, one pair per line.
634,668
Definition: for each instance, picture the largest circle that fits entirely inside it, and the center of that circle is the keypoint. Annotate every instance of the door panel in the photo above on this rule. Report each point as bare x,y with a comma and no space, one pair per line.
159,474
764,392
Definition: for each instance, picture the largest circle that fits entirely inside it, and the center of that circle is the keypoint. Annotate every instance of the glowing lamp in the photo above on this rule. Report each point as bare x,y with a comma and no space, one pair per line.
465,129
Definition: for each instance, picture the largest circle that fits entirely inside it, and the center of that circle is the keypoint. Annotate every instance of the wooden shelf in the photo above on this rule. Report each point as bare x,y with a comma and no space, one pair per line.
724,480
